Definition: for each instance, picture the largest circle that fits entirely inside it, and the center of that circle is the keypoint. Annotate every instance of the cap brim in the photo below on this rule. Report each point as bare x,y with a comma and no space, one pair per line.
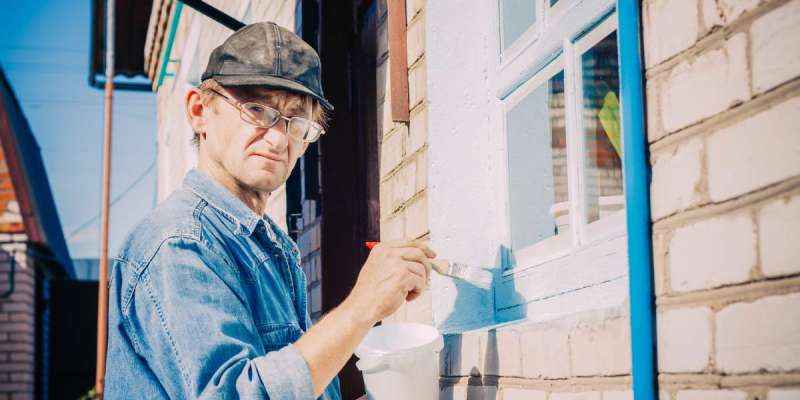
273,82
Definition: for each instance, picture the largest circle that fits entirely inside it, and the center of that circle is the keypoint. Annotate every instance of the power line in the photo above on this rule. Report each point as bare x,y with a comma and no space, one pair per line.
130,187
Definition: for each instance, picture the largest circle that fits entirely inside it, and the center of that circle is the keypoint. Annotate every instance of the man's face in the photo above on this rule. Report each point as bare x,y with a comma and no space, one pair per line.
255,157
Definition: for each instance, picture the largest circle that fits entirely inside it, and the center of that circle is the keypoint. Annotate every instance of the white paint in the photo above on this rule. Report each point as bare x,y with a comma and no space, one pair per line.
467,182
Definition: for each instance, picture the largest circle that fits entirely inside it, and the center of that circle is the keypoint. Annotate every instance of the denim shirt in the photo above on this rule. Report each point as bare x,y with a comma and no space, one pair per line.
206,299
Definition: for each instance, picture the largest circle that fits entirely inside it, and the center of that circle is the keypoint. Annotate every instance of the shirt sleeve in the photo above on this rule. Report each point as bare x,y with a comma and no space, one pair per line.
197,334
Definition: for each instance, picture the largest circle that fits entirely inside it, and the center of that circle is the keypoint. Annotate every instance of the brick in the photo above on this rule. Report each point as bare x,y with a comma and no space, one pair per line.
618,395
417,131
762,335
723,12
784,394
404,185
711,395
601,348
676,183
22,396
523,394
422,172
16,327
393,228
415,39
699,260
14,387
22,377
461,354
684,339
417,79
453,393
413,7
392,150
481,392
417,218
778,230
575,396
775,53
670,28
501,350
713,82
755,152
545,353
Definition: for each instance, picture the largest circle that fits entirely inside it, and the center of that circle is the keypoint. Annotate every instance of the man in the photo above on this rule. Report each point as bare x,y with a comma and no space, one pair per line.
206,297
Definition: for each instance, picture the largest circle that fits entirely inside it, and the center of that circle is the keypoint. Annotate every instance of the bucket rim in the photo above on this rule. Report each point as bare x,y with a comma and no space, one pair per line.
435,344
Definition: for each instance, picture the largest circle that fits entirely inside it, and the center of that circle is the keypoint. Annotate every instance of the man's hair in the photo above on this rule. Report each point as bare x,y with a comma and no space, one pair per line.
207,87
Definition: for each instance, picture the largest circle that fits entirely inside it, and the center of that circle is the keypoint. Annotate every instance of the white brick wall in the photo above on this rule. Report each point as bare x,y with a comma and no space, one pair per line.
684,339
677,174
602,348
392,150
713,252
775,53
711,395
523,394
722,12
575,396
784,394
545,353
755,152
762,335
722,75
671,27
779,230
618,395
501,352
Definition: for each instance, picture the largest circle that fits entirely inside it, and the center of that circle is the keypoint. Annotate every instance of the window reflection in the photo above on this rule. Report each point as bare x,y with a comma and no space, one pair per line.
537,162
601,130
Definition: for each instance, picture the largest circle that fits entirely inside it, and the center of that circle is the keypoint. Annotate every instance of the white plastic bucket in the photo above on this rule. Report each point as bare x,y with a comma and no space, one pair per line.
400,361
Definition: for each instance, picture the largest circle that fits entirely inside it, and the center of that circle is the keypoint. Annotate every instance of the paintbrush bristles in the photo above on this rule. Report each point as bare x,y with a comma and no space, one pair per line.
476,276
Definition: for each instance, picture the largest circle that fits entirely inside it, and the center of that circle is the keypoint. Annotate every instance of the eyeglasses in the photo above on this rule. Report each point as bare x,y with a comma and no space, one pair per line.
257,114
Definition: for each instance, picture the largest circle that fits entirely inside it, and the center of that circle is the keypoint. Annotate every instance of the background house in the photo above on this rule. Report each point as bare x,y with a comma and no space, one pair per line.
47,318
501,146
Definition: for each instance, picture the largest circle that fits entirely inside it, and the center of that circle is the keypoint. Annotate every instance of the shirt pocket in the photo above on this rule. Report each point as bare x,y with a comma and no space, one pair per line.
275,336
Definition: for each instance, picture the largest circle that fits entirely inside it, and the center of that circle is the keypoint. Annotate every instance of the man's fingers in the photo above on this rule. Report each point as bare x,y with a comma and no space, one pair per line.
413,243
417,269
417,255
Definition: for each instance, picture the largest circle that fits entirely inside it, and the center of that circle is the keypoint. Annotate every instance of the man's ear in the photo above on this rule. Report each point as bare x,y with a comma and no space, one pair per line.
195,110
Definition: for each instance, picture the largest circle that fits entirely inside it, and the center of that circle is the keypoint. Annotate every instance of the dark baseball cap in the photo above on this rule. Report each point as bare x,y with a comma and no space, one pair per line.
266,54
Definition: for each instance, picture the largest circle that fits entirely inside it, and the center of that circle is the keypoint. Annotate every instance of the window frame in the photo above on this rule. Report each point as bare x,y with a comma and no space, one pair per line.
542,61
591,272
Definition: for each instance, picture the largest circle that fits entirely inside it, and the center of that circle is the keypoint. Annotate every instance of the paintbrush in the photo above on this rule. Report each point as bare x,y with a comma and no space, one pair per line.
476,276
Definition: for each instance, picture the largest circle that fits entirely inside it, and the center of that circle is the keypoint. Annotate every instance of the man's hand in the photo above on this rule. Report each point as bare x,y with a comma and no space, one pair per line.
394,272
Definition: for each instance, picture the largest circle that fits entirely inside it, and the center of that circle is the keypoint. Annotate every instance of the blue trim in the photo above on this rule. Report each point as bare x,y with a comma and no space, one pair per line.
637,200
176,19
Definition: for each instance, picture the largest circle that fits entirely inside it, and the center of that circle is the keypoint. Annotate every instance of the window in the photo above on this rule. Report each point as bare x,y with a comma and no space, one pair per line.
560,119
525,148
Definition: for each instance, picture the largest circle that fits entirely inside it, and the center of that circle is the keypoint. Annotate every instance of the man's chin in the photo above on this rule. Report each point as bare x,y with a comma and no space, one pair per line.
265,181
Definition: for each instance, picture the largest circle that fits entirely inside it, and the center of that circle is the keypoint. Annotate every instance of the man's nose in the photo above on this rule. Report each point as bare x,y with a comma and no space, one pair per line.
277,136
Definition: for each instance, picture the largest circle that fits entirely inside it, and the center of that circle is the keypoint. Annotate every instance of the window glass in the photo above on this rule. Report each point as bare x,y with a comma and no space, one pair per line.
601,130
517,17
553,2
537,164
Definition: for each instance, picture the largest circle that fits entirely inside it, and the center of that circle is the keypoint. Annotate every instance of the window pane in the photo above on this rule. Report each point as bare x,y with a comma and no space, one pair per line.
537,165
553,2
601,126
518,16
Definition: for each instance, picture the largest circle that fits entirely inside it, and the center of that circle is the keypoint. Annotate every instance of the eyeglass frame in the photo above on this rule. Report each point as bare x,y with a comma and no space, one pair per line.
240,106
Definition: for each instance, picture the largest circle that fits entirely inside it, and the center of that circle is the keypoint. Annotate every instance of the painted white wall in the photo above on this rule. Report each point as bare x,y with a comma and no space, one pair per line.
465,203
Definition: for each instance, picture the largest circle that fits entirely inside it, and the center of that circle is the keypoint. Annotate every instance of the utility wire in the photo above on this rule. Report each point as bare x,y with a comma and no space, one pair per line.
130,187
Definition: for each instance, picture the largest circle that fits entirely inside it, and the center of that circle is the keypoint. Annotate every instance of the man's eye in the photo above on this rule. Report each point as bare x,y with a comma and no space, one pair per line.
255,109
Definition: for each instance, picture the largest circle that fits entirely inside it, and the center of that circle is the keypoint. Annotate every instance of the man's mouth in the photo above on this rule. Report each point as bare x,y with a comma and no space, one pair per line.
270,157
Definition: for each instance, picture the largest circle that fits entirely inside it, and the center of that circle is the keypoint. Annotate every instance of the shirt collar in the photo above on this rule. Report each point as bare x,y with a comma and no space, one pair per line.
223,200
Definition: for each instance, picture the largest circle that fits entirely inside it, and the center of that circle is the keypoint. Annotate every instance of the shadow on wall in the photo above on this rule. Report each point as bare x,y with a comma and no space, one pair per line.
473,309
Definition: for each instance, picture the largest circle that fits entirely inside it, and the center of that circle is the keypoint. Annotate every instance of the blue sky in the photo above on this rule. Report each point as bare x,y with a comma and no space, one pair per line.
44,50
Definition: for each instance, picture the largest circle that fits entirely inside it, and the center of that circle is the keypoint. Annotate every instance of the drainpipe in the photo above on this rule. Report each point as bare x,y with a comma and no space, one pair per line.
637,200
102,287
